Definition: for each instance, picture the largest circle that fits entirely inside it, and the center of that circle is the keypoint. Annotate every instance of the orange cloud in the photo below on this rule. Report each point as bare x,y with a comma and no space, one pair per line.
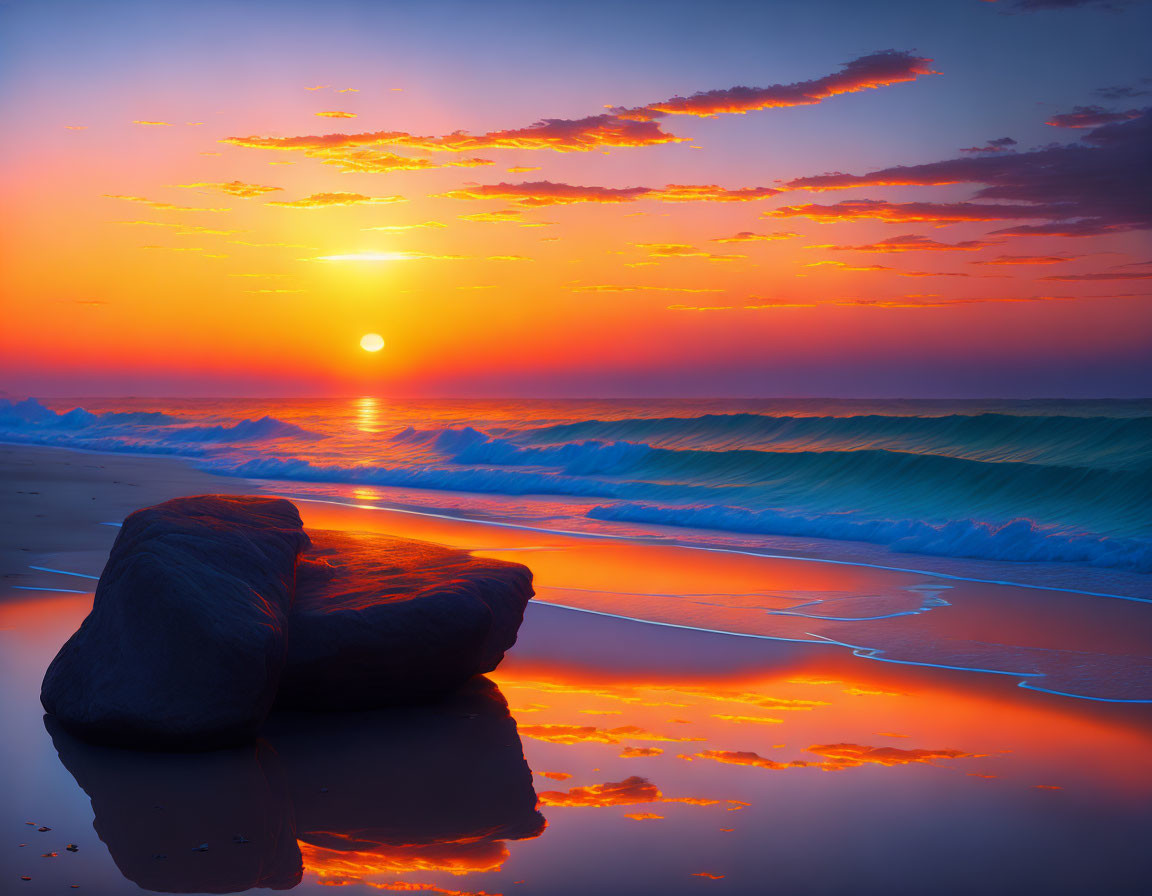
639,752
747,236
1025,259
327,200
628,792
522,169
680,250
154,124
642,816
911,243
555,776
840,756
397,227
162,206
334,114
899,212
374,161
762,720
574,734
542,193
234,188
504,216
611,288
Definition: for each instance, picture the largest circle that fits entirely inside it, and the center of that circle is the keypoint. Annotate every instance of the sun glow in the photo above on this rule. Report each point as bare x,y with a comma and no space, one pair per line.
371,342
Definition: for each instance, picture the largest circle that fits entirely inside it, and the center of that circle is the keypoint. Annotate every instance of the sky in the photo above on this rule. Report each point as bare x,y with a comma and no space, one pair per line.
771,199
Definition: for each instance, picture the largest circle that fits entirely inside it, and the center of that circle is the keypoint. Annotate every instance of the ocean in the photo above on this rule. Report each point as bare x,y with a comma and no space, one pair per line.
1053,492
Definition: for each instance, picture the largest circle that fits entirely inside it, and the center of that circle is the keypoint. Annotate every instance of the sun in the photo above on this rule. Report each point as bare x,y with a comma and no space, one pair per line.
371,342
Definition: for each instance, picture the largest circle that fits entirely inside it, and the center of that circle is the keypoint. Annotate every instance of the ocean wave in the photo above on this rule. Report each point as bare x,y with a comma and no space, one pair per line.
153,432
1107,442
1019,540
895,482
486,481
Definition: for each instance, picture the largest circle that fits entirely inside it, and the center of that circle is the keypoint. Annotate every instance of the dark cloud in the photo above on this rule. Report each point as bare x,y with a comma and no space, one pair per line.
544,192
1001,144
1090,117
1101,185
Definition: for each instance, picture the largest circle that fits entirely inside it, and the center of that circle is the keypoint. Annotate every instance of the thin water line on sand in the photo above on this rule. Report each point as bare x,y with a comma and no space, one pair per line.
715,550
64,572
866,653
53,590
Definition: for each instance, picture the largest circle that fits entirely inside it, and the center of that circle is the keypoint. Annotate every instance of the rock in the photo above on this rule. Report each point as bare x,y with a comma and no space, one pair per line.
185,645
380,620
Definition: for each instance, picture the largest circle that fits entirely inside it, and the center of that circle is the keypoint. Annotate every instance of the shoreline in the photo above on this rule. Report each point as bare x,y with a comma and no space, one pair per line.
1054,576
69,537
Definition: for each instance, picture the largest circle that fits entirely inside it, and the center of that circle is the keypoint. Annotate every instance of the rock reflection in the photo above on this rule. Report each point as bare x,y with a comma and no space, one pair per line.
347,795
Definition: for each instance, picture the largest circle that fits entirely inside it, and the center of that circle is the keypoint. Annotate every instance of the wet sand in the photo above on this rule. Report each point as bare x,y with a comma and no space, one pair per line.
667,756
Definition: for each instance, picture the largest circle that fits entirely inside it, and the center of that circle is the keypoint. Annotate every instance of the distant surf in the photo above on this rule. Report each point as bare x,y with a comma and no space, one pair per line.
1032,482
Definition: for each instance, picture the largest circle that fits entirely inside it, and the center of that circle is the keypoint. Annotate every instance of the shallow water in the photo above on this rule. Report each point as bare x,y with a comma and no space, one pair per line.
661,755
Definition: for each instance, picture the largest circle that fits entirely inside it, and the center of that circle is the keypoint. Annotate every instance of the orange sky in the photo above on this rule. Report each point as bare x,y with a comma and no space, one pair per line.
176,227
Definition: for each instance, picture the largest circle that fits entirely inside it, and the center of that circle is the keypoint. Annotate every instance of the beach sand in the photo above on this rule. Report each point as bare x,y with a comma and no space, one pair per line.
691,719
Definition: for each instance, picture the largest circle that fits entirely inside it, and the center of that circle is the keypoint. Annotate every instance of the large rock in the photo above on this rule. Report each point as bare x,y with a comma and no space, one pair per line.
185,643
380,620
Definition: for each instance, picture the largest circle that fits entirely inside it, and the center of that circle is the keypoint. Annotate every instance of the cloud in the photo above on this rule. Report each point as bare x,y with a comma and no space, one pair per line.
840,756
628,792
75,127
543,193
319,87
1134,275
904,212
680,250
397,227
522,169
1121,93
327,200
555,776
1097,186
234,188
335,114
911,243
162,206
759,720
639,752
154,124
1090,117
864,73
629,127
181,229
642,816
747,236
835,757
1002,144
757,303
614,288
1026,259
374,161
575,734
504,216
388,256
